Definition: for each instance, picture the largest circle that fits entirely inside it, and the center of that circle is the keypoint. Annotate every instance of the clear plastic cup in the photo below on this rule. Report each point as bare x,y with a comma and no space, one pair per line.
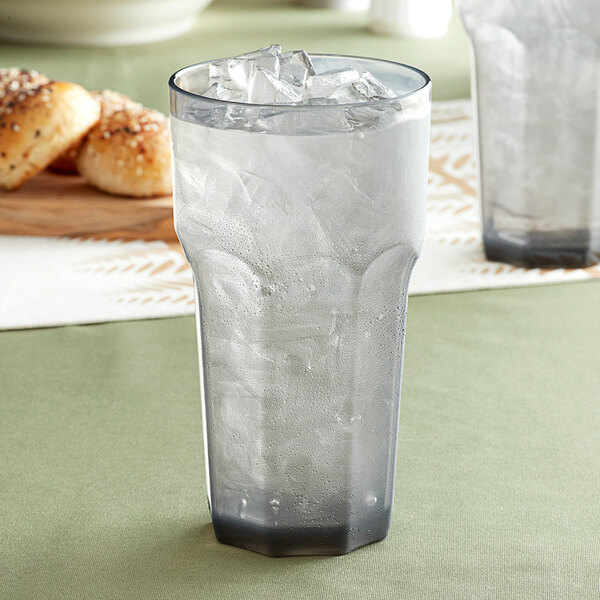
301,224
535,84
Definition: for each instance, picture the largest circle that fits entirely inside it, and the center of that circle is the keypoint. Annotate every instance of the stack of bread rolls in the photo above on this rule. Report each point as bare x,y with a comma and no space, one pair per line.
116,144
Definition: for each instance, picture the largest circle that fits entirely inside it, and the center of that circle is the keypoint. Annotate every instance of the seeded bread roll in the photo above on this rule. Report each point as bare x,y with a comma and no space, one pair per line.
14,82
65,163
110,102
39,119
128,154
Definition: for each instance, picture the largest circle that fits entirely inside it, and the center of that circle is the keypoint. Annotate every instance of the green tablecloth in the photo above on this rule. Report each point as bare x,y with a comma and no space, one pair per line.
102,492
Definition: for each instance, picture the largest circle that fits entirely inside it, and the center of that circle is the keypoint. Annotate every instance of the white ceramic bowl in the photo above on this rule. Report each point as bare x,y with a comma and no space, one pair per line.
412,18
96,22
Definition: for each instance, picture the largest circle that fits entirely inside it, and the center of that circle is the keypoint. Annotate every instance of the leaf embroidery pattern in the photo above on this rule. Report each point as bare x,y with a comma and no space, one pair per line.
150,273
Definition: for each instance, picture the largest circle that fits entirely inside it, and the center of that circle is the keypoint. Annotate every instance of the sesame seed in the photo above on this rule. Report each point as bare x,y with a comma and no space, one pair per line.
15,127
106,135
139,157
13,86
139,171
133,143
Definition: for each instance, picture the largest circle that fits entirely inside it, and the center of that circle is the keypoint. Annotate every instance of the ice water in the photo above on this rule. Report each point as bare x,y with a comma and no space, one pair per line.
302,237
535,74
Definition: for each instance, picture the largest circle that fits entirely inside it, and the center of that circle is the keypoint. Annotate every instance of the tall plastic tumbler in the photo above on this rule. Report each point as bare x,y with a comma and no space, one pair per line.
301,224
535,67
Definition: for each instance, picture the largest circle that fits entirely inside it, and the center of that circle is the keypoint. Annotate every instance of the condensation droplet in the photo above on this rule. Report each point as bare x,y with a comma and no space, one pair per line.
371,500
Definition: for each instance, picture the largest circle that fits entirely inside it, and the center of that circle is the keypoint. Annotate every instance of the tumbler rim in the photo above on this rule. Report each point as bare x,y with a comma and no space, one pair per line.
290,106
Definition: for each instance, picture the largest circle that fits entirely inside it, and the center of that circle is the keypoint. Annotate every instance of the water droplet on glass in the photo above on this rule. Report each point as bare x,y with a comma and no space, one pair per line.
371,500
275,506
242,508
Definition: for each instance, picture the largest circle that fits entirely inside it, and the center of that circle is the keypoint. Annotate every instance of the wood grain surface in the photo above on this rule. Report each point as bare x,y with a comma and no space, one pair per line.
64,205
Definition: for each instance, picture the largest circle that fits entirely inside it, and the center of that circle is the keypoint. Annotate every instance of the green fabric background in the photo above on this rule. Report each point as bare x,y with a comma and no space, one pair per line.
102,492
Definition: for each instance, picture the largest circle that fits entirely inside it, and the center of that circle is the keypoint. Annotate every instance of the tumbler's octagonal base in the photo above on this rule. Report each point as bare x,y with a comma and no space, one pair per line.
300,541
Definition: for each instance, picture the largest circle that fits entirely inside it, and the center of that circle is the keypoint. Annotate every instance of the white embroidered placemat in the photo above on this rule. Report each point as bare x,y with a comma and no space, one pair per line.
60,281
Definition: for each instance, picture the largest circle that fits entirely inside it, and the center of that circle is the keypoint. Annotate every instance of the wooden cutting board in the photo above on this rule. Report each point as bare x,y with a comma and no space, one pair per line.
64,205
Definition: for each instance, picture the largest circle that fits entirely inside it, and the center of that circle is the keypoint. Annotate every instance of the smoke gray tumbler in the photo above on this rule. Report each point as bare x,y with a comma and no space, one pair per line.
301,224
535,80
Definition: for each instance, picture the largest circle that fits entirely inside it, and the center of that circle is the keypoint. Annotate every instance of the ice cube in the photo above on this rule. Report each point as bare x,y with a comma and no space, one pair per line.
219,91
274,50
285,121
324,84
231,73
371,88
236,73
347,94
266,88
267,58
362,89
296,67
367,116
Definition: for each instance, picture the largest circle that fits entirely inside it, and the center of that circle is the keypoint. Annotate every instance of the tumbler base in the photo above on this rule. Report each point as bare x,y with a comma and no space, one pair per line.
299,541
570,249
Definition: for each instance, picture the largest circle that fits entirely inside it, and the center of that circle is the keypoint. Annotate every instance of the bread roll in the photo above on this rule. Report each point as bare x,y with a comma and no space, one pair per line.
65,163
39,119
110,102
14,81
128,154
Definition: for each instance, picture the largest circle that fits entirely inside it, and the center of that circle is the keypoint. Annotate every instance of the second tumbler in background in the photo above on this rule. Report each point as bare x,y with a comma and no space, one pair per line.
535,82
